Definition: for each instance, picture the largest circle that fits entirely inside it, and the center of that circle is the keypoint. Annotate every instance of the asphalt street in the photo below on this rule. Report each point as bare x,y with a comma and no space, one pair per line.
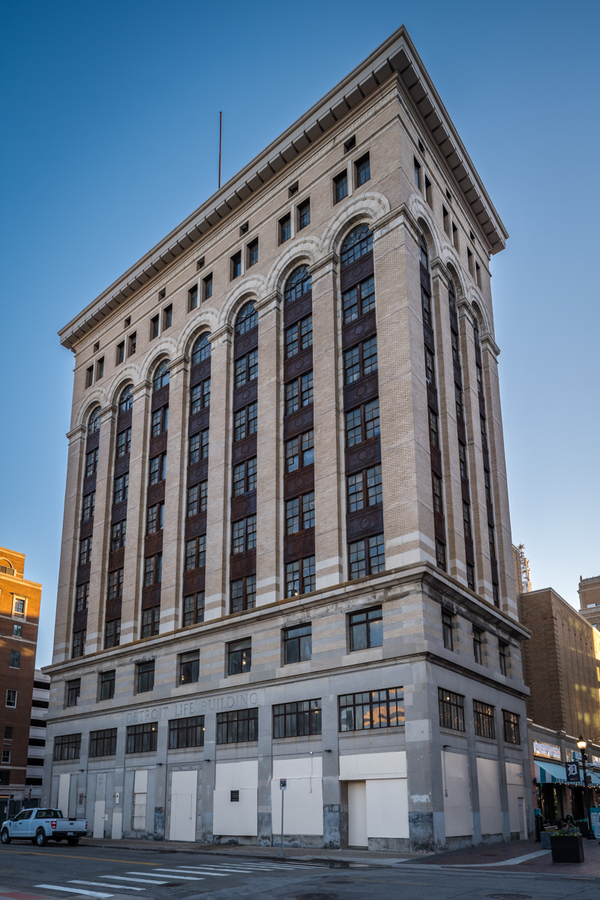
58,872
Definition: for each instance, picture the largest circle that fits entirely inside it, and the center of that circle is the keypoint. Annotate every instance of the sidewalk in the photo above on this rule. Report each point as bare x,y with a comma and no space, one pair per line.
518,857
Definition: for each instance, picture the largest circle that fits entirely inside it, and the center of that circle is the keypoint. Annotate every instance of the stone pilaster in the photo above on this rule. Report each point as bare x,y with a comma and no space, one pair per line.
172,566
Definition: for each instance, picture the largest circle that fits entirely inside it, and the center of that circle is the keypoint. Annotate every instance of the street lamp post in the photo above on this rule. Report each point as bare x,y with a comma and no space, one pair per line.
582,744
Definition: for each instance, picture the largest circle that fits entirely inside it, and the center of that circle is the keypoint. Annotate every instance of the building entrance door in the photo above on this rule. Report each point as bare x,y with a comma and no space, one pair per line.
357,814
64,787
99,807
184,788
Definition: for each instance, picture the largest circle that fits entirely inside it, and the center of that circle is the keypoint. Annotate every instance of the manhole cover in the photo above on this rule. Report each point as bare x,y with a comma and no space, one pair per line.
509,896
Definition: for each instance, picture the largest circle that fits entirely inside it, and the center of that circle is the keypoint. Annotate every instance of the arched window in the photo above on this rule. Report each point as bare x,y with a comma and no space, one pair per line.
126,401
423,253
94,420
358,243
247,318
299,283
201,349
161,376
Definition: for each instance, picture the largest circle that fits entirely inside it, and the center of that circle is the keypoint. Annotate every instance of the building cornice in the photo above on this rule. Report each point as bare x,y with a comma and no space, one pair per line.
397,55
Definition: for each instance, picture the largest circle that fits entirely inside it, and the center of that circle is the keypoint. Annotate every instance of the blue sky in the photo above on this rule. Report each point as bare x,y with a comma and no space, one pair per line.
109,117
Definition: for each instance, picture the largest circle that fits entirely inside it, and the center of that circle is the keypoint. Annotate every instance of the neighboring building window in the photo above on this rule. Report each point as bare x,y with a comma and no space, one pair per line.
121,488
11,698
452,710
198,447
246,368
297,643
193,608
300,577
360,361
73,691
303,214
372,709
503,656
115,585
126,401
236,264
193,298
243,535
153,569
285,229
207,284
160,421
112,634
189,667
297,719
245,422
366,629
362,168
91,463
67,746
298,336
298,393
79,643
367,557
512,730
196,499
6,757
15,659
158,468
478,646
239,656
17,629
103,743
362,423
162,376
252,252
359,300
244,477
145,677
201,349
238,725
187,732
340,187
150,621
300,452
483,717
142,738
106,685
200,396
243,595
94,421
123,443
447,629
8,732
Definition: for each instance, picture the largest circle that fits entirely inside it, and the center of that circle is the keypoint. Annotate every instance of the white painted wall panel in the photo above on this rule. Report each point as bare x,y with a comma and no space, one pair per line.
182,826
64,786
373,765
387,807
303,805
489,796
457,795
516,798
238,818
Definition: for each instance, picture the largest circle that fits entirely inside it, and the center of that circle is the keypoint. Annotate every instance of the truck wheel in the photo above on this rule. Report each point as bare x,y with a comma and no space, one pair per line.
5,837
72,842
40,838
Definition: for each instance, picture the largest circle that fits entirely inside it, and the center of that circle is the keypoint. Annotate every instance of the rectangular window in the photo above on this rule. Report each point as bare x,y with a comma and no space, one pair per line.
197,499
452,710
145,677
120,352
340,186
285,229
300,577
477,274
160,421
366,629
123,443
243,535
73,691
372,709
154,327
503,656
89,377
298,393
79,643
198,444
447,629
300,452
193,609
193,298
297,643
298,336
200,397
195,553
367,557
359,300
81,596
440,554
303,214
106,685
88,507
238,725
115,585
85,552
167,316
207,286
483,717
455,236
187,732
245,422
360,361
434,432
512,730
239,656
153,569
91,463
446,219
6,757
8,732
121,488
118,535
236,265
67,746
478,646
470,262
297,719
246,368
467,520
189,667
417,173
471,576
362,423
362,170
252,249
438,497
157,468
428,192
155,518
112,634
132,344
17,629
150,621
243,594
142,738
244,477
300,513
365,486
15,659
103,743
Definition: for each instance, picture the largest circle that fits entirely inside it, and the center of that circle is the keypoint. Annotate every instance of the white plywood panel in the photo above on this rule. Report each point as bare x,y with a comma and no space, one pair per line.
373,765
236,775
140,783
64,785
99,809
357,814
303,804
387,807
237,817
489,796
182,825
457,795
117,825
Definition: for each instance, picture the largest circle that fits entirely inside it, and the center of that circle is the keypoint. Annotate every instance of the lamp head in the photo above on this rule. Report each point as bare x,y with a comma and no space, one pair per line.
581,743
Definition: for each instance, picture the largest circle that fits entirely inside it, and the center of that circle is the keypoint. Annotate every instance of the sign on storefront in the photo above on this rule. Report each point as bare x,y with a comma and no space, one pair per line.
572,770
549,751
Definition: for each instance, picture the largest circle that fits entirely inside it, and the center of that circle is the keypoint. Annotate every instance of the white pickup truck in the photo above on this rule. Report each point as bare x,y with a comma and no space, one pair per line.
42,825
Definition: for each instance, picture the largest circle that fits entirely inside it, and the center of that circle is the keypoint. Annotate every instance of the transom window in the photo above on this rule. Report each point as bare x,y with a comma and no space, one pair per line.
297,719
358,243
126,401
298,336
298,284
201,349
161,376
300,451
362,423
372,709
237,725
452,710
359,300
366,629
94,421
247,318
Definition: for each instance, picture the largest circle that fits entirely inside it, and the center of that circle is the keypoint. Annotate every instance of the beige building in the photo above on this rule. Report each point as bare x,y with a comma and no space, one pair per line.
589,599
286,548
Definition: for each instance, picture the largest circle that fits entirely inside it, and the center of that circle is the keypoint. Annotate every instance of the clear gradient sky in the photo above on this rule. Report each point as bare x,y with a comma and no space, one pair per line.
109,118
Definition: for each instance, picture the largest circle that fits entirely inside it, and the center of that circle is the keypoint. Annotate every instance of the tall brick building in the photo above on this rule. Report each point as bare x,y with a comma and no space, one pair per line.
589,599
19,616
286,547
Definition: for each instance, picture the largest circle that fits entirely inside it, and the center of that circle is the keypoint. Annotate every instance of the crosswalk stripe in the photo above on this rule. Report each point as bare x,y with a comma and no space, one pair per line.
170,877
139,880
244,867
181,874
56,887
101,884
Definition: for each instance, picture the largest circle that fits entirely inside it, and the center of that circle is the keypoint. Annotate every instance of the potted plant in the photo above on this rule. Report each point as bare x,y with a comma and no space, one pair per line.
566,845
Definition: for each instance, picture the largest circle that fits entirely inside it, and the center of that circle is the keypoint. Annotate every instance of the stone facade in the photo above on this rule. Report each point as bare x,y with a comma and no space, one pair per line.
444,726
